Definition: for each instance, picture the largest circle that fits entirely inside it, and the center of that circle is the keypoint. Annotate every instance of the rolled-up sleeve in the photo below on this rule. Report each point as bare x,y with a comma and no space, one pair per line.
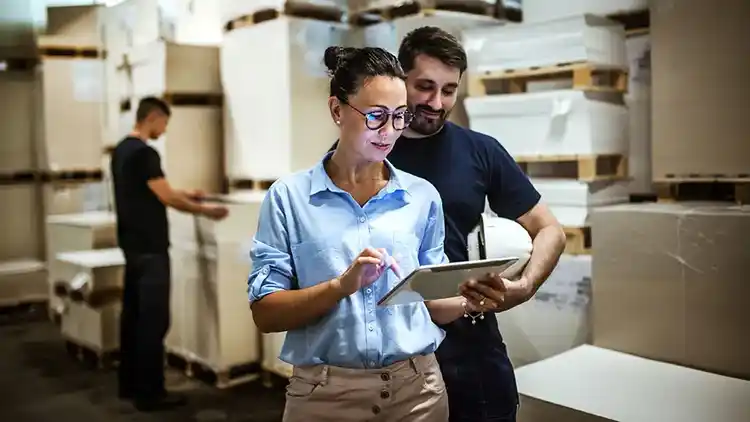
270,254
432,249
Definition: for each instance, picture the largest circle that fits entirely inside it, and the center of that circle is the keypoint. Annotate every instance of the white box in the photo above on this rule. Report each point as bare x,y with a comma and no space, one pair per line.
272,343
75,232
180,21
593,384
234,9
191,149
280,108
556,319
95,328
545,10
17,120
73,26
70,197
74,96
20,23
572,201
116,31
22,281
517,46
90,272
560,122
160,67
212,322
638,100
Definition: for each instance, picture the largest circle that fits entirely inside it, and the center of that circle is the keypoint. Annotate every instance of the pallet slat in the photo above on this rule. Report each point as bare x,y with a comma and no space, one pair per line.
297,10
584,76
578,240
221,379
704,190
371,16
579,167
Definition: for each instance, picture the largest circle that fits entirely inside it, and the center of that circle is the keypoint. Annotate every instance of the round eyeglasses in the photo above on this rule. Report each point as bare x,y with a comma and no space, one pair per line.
376,119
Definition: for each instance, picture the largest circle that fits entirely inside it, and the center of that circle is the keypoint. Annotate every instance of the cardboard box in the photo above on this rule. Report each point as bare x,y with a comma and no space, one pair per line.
21,222
17,120
638,101
545,10
591,384
670,283
22,281
95,328
700,89
73,26
572,201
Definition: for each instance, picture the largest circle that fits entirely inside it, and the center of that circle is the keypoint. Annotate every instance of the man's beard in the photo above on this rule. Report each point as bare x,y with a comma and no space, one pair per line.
428,126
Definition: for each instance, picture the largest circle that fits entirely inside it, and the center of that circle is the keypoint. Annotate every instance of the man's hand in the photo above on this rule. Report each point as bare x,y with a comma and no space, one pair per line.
496,294
195,194
215,212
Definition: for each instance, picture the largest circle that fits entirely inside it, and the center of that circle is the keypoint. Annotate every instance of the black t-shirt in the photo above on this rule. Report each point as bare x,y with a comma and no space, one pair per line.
142,225
467,168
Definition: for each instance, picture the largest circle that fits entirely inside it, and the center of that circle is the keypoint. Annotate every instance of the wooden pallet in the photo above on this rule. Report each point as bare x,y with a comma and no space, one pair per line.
22,311
723,189
19,177
72,175
92,357
296,10
186,99
193,368
583,76
250,184
578,240
587,168
373,16
23,64
69,52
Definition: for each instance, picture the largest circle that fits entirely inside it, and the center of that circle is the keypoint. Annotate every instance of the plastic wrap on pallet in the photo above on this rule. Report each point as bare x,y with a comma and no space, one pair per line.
518,46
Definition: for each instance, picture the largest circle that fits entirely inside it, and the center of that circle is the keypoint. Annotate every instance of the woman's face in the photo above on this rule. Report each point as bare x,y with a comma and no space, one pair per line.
367,121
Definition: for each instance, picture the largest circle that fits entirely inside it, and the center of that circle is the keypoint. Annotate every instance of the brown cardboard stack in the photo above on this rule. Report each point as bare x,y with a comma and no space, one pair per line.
668,283
211,322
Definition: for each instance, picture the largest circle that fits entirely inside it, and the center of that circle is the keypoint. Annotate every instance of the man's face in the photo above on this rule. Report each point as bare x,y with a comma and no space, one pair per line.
432,88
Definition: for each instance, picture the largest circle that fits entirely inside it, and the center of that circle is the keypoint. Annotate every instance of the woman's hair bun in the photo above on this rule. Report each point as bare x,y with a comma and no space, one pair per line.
336,56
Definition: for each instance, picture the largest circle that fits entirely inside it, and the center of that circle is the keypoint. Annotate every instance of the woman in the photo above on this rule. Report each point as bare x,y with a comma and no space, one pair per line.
320,262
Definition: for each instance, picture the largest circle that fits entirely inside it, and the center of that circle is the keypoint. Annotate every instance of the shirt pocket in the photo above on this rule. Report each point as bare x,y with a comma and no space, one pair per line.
319,260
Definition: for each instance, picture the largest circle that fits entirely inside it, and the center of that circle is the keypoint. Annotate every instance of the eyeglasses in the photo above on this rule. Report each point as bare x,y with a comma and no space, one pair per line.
376,119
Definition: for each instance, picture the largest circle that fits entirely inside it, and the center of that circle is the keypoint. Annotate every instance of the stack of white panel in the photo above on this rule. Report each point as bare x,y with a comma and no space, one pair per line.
211,320
75,232
594,384
279,121
90,314
551,119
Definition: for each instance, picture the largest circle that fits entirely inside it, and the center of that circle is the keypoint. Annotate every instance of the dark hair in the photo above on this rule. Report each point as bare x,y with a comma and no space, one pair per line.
149,104
349,67
433,42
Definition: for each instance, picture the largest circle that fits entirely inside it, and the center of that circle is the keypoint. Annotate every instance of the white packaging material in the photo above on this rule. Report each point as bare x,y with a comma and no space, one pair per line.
551,123
518,46
546,10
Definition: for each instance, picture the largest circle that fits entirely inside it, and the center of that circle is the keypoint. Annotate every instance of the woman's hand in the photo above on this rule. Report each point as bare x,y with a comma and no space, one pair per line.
369,265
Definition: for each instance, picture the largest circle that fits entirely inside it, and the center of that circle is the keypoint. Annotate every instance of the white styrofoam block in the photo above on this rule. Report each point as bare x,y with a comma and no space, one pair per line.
517,46
96,258
556,319
233,9
551,123
272,344
582,194
589,383
545,10
283,124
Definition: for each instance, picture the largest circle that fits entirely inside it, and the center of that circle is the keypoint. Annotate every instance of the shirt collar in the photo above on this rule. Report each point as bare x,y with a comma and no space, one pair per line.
320,181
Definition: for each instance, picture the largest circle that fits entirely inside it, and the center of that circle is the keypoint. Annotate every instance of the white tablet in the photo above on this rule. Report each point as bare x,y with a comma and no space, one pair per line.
432,282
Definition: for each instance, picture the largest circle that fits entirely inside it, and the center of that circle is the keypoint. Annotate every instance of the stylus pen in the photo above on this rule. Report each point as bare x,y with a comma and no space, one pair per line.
391,264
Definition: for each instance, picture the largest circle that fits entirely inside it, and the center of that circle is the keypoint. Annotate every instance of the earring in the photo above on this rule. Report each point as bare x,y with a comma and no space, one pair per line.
338,122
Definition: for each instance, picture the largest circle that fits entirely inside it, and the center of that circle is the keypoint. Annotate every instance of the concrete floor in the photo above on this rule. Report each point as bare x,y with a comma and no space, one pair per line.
41,381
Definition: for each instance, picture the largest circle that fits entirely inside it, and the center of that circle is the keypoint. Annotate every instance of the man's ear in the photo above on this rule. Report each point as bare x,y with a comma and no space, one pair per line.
334,105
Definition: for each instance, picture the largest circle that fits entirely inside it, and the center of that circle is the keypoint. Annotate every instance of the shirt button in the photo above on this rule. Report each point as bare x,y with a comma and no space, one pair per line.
264,271
372,363
369,291
370,327
362,219
376,409
384,394
385,377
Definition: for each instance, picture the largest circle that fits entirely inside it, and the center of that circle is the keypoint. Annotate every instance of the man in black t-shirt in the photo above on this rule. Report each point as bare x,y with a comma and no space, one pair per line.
142,194
470,169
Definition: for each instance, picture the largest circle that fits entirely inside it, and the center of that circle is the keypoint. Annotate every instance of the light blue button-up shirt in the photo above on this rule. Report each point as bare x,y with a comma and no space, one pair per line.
310,231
